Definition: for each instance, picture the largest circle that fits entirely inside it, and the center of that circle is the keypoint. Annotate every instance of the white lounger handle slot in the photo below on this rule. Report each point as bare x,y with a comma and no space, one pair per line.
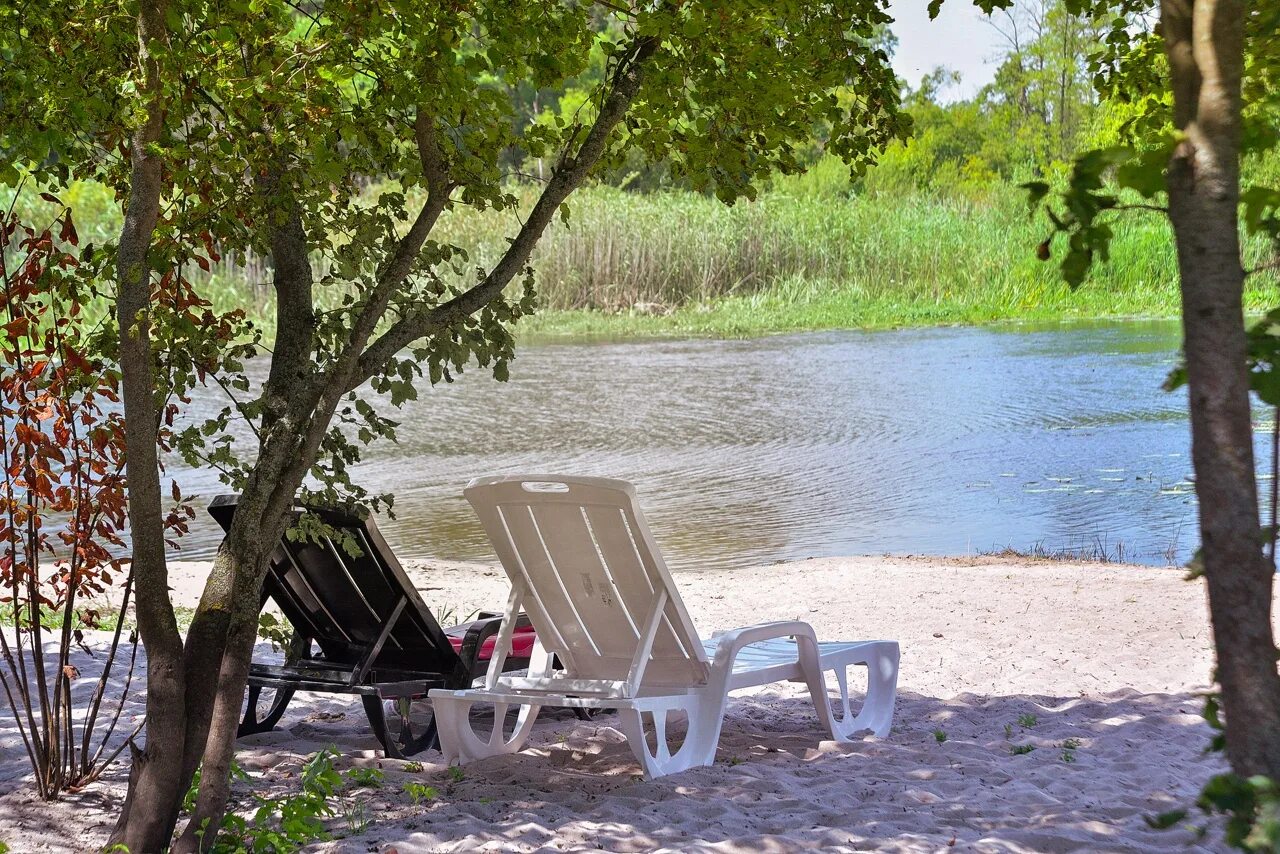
544,486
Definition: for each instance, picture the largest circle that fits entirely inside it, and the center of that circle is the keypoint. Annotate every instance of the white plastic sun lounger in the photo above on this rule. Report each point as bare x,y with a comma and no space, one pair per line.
586,569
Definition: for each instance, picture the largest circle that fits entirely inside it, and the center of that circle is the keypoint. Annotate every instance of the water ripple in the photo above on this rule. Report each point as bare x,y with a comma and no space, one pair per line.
748,452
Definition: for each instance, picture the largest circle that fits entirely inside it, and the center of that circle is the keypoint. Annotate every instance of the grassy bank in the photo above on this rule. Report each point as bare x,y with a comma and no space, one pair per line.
682,264
808,254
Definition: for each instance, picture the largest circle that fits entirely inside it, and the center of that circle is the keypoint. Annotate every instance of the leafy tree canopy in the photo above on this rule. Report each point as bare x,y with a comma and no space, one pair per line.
368,121
1132,73
331,138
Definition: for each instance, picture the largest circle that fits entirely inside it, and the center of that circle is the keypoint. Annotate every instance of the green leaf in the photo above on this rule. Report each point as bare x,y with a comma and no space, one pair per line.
1165,820
1145,173
1261,207
1075,266
1036,191
1176,379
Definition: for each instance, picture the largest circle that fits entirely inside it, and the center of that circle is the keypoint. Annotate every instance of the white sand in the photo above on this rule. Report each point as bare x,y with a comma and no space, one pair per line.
1110,656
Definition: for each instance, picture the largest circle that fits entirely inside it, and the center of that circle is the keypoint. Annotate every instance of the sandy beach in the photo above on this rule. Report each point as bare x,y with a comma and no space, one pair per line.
1095,667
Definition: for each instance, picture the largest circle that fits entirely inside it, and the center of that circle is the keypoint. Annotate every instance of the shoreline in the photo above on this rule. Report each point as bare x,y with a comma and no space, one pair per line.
722,319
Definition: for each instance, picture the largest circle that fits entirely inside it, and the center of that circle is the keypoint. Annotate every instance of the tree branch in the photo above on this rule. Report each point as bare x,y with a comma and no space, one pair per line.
295,309
434,167
1175,21
313,410
570,173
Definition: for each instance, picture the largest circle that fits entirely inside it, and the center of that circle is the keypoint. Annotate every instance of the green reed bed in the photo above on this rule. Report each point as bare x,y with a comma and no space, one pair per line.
679,263
807,254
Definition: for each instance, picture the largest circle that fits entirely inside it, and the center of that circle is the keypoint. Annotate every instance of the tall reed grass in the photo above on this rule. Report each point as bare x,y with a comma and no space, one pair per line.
833,256
808,253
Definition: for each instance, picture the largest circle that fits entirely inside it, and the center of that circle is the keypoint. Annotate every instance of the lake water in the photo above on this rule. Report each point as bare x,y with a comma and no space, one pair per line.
927,441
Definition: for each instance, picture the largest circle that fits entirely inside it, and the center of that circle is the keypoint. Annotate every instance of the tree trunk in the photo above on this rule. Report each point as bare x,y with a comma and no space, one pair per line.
1205,44
206,640
215,732
220,643
156,770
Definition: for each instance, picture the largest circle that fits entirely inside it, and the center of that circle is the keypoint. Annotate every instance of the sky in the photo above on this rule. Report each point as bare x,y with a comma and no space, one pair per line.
958,39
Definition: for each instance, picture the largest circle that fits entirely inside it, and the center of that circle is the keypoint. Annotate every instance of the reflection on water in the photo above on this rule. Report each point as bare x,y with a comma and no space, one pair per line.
941,441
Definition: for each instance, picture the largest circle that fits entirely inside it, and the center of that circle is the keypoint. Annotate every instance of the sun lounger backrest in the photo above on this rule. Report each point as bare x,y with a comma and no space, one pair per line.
591,577
344,602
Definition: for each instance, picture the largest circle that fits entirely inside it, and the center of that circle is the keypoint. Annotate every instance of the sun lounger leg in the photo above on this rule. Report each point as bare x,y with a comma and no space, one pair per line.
459,741
706,715
378,723
882,691
876,714
250,723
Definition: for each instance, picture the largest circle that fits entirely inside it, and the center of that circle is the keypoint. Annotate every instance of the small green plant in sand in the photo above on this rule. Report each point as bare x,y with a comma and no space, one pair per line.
355,814
456,774
412,767
420,792
940,735
1164,820
1069,748
451,615
1027,721
286,824
103,619
1022,749
238,775
1008,731
370,778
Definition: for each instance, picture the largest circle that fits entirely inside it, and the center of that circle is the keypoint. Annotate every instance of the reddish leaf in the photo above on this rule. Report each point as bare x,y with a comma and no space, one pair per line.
73,360
68,233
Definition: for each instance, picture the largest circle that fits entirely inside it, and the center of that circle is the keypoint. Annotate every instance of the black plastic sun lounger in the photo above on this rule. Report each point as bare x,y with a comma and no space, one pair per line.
375,635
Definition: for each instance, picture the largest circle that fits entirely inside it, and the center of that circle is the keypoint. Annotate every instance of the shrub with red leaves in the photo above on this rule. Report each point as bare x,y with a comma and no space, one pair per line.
62,508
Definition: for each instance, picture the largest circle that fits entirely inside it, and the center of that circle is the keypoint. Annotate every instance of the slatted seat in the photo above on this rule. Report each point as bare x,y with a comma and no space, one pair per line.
585,567
360,628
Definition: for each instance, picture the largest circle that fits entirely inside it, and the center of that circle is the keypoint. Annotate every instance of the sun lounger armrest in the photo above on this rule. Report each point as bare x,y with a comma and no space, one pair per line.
729,643
473,640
